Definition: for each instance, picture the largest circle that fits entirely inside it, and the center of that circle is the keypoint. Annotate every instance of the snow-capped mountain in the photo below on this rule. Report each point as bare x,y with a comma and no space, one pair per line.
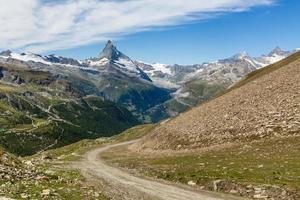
197,83
215,77
111,56
274,56
152,91
232,68
168,76
24,57
50,60
112,75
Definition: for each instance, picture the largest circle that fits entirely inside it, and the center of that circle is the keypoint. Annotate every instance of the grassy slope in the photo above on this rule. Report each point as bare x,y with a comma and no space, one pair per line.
74,151
258,164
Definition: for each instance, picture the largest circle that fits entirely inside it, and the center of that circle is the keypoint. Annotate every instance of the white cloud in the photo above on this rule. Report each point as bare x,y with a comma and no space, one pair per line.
43,25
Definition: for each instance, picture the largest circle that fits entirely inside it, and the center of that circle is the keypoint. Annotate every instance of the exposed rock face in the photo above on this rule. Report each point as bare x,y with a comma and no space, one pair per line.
110,52
266,104
6,53
62,60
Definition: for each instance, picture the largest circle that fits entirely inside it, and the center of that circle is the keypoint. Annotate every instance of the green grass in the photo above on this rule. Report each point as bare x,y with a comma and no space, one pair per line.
203,91
7,88
74,151
134,133
71,152
271,162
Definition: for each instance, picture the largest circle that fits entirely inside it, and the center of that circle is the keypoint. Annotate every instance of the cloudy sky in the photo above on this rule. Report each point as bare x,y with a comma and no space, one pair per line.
144,28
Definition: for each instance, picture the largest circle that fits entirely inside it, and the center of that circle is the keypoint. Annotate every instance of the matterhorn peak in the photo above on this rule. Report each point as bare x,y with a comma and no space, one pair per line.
111,52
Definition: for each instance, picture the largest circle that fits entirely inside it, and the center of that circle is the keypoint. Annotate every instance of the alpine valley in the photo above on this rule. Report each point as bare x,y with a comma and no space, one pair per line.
51,101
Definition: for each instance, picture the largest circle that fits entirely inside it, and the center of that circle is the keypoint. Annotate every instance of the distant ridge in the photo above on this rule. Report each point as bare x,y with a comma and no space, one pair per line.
264,104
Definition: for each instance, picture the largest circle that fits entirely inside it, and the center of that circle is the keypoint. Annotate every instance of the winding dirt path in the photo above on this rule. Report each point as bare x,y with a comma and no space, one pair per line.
132,187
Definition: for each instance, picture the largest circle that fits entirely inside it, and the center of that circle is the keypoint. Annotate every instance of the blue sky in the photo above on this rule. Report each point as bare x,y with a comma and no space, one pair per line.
196,34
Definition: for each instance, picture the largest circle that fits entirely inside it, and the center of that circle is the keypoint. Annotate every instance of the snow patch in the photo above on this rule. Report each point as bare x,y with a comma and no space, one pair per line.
29,57
162,67
183,95
101,62
127,64
164,83
268,60
274,58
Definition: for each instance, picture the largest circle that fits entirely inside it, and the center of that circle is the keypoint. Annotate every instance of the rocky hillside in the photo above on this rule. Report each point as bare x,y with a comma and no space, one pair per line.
40,178
264,104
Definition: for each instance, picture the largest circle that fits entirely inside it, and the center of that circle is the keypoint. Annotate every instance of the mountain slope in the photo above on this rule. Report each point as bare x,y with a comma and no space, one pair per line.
195,84
122,81
264,104
152,92
42,110
112,75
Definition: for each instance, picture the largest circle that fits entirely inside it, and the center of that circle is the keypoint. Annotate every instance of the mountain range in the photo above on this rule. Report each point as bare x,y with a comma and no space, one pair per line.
265,104
152,91
51,101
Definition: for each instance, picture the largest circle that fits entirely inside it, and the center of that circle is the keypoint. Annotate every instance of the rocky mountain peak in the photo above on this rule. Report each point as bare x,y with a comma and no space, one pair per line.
277,51
111,52
241,55
5,53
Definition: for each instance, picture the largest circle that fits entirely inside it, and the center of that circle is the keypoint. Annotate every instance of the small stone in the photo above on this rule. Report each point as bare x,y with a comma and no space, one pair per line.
283,193
215,184
46,192
50,172
233,191
24,196
191,183
259,196
28,163
40,178
226,117
96,194
257,190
